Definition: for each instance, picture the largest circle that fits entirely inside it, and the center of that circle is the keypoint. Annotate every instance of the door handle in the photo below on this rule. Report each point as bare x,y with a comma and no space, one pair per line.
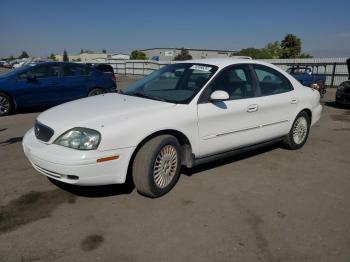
252,108
294,101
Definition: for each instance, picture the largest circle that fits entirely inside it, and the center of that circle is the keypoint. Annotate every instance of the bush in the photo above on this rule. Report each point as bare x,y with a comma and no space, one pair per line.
138,55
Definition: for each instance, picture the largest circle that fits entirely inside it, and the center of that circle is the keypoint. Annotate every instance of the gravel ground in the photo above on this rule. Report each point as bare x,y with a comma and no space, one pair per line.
267,205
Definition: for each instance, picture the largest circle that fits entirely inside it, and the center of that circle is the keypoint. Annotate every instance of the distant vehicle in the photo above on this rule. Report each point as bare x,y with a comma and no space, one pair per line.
18,64
180,115
342,96
2,63
306,76
49,84
7,64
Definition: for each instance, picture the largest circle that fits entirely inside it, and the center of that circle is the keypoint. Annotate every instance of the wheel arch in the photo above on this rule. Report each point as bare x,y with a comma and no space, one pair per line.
308,112
187,155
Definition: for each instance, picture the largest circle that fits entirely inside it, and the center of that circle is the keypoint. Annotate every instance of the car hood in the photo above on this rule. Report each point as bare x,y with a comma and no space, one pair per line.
98,111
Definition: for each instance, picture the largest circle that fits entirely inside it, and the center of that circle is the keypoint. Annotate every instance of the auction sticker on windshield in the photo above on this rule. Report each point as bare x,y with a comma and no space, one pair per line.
201,68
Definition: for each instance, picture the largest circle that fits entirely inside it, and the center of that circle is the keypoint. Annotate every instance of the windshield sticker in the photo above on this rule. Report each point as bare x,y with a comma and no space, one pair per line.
201,68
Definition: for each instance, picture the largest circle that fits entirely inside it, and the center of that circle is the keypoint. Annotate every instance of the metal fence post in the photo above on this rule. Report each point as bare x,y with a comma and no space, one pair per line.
333,74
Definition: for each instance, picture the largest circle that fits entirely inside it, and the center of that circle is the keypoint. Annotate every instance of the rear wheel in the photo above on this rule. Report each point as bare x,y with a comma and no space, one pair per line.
6,105
299,132
156,167
96,91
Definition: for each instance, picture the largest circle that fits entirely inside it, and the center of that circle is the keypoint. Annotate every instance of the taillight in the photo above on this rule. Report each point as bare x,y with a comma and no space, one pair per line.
114,78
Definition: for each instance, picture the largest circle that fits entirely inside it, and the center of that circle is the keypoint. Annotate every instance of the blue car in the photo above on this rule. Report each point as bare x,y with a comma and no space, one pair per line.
51,83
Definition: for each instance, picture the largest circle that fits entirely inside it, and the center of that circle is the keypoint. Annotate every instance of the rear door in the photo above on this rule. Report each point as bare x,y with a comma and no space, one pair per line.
276,101
75,81
39,86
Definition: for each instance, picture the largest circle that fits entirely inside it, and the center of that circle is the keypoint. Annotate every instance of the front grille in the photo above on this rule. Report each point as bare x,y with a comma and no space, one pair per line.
42,132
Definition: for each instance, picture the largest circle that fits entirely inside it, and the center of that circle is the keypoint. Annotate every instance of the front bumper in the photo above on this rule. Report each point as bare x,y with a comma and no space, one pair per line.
74,166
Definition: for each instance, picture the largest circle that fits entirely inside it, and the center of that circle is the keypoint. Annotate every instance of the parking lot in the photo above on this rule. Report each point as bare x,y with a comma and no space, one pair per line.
266,205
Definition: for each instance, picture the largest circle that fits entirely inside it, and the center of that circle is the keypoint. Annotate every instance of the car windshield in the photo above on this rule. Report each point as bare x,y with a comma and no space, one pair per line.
176,83
15,71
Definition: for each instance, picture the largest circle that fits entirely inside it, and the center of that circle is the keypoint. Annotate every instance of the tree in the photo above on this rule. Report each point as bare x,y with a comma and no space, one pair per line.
291,46
65,56
255,53
23,55
138,55
274,49
104,51
52,57
10,58
183,55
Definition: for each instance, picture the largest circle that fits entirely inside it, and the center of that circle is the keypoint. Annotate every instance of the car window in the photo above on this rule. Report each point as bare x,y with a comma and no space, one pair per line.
170,80
175,83
76,70
42,71
270,81
236,81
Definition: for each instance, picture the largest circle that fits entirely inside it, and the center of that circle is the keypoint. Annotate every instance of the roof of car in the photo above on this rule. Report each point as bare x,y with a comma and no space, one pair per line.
223,62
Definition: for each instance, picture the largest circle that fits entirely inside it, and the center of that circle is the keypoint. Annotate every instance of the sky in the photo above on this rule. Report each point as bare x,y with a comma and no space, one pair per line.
41,27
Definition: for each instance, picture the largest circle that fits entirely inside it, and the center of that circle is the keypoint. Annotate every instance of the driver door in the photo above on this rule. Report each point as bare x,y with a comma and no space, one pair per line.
40,85
229,124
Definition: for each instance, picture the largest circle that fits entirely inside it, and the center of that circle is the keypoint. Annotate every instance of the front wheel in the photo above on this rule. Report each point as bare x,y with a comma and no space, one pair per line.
156,167
96,91
6,105
299,132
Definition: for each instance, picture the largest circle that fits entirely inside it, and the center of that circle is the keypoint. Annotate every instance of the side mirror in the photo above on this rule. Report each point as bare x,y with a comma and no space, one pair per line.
219,95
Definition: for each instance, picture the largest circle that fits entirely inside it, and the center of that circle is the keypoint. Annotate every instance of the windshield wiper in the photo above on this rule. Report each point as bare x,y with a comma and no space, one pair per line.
139,94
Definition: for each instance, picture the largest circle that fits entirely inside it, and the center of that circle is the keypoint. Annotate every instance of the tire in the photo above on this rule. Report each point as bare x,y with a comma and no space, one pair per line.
161,153
6,105
299,132
96,91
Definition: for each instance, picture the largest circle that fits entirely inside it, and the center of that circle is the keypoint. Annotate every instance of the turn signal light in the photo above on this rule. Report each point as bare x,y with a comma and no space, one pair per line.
107,159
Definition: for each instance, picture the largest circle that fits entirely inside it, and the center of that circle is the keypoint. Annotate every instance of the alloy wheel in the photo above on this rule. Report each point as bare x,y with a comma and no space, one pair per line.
300,130
165,166
4,105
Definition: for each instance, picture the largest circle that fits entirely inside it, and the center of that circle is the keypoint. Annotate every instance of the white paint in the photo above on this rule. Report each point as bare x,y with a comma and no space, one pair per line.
124,121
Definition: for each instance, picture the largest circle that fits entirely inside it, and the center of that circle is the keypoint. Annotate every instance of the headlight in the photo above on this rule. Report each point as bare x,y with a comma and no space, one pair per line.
315,86
80,138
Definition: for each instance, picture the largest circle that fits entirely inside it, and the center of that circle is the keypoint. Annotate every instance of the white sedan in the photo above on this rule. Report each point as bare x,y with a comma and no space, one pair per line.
183,114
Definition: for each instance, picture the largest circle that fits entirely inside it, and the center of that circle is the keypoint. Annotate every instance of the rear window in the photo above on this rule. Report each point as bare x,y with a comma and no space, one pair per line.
76,70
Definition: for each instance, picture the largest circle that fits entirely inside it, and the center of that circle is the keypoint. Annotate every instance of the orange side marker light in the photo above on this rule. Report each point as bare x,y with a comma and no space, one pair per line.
107,159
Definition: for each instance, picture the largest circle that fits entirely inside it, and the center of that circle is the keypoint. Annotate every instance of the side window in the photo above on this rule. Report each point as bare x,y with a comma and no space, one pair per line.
76,70
236,81
44,71
270,81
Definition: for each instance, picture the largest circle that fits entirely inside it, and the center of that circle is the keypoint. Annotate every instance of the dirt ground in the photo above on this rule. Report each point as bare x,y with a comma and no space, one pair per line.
267,205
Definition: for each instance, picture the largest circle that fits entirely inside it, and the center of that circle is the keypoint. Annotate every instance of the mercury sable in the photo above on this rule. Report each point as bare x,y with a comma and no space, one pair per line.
180,115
